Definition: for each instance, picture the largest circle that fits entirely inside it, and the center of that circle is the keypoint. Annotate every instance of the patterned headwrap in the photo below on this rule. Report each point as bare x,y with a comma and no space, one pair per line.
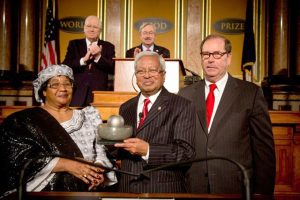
47,73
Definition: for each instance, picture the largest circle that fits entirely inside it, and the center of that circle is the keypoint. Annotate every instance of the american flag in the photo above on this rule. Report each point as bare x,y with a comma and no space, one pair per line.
49,55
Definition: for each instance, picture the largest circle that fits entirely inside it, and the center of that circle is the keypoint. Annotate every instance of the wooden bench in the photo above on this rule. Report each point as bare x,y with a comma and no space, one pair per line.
108,103
285,125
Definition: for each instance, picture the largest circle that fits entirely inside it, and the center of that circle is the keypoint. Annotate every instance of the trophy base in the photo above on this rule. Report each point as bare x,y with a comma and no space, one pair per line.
109,142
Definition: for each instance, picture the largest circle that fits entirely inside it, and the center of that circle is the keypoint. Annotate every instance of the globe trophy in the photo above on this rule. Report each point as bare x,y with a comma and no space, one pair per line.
113,131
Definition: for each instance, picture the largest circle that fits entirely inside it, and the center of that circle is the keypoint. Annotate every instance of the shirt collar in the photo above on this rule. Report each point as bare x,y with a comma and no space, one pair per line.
145,48
220,84
152,98
88,42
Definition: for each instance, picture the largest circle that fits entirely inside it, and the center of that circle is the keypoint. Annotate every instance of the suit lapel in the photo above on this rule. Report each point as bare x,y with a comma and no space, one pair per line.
132,113
228,97
156,49
159,105
83,49
100,42
199,102
140,47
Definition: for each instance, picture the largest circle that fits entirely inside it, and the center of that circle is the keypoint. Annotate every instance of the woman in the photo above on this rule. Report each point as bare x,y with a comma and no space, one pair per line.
53,128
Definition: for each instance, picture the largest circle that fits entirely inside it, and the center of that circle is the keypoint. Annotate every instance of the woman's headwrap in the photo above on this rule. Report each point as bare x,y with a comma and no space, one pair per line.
48,73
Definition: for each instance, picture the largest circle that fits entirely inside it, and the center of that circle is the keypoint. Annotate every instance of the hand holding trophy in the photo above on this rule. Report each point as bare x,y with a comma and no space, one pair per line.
113,131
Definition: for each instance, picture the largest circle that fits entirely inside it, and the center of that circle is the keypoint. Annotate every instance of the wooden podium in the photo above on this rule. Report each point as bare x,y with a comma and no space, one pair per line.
125,80
108,103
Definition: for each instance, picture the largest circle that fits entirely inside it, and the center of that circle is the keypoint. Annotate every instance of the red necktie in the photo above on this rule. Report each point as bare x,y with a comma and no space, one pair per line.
145,112
210,101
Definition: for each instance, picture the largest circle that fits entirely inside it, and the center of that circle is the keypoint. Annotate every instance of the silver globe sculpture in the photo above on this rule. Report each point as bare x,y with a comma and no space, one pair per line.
115,121
114,129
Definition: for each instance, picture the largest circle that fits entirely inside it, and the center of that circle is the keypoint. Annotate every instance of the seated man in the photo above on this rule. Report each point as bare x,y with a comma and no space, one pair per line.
147,35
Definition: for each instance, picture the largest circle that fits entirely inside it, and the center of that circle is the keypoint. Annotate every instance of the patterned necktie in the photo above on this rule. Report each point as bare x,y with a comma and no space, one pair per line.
210,101
145,112
90,65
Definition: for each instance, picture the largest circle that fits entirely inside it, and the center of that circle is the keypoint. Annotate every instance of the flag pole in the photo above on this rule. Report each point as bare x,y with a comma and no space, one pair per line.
49,54
248,55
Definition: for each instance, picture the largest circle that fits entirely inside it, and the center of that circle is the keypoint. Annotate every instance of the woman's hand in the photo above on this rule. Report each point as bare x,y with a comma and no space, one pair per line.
96,182
89,174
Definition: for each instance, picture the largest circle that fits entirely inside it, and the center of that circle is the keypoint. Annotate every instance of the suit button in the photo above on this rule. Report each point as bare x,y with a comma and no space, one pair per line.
209,150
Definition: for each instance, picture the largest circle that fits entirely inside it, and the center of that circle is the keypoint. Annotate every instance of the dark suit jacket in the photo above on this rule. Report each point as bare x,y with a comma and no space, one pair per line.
169,128
241,130
87,80
158,49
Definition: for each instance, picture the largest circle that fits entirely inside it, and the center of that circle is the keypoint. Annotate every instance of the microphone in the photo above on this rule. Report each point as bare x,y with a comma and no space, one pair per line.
188,80
140,115
246,180
132,83
192,72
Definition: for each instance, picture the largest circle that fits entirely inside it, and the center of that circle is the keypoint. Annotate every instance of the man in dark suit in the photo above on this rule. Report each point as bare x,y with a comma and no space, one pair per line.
91,60
239,127
163,131
147,35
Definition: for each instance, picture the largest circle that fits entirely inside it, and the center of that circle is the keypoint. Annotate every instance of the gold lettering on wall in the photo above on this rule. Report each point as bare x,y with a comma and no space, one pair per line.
72,24
230,26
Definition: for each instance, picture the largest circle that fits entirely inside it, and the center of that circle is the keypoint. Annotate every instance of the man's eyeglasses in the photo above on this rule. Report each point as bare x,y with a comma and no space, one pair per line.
57,85
147,33
151,72
91,27
216,54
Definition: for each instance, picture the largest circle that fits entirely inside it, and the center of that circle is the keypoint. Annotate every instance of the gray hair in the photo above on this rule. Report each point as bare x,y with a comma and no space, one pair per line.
94,16
152,54
147,24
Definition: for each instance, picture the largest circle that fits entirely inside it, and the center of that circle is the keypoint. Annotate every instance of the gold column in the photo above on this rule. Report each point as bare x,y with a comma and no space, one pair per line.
194,25
5,33
27,35
113,24
279,54
281,88
297,38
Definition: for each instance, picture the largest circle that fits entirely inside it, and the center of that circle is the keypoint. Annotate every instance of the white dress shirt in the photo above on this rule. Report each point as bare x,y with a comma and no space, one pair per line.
217,93
146,48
